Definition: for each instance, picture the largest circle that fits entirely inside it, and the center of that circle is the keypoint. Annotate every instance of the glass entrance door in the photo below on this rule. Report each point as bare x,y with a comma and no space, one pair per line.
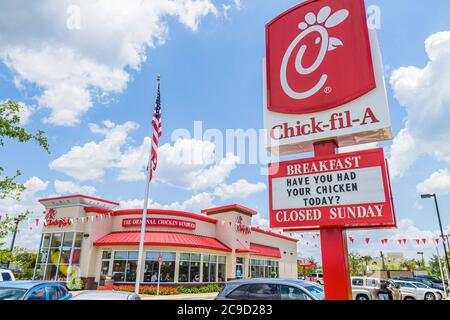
239,268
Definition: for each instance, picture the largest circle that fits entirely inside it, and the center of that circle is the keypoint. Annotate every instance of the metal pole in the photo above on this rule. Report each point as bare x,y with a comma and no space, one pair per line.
442,236
143,227
13,240
159,278
442,273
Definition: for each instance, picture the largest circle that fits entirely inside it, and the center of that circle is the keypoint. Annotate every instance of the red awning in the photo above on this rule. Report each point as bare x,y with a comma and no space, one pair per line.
169,239
261,250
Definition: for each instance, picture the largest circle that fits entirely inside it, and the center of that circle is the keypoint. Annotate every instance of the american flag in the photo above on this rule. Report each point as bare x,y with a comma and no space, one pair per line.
157,132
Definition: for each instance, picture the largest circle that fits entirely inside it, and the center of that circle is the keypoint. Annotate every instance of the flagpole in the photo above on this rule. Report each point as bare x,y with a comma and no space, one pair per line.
144,221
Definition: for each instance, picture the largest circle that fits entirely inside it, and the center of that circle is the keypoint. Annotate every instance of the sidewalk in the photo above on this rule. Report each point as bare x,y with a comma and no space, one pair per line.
196,296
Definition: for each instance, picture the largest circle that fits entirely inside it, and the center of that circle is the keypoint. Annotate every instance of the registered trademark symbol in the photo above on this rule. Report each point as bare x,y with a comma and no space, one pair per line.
327,90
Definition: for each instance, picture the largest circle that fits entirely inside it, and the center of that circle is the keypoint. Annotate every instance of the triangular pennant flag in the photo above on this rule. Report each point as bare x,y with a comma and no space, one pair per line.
399,241
36,222
436,240
352,240
404,241
424,241
367,240
417,241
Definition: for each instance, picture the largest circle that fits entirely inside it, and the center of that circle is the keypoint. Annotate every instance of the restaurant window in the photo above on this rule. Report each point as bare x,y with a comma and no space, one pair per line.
125,266
189,267
209,268
152,265
58,252
263,268
222,269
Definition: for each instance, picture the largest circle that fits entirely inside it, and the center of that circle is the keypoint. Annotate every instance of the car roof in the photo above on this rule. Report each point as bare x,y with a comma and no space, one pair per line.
271,280
103,294
26,284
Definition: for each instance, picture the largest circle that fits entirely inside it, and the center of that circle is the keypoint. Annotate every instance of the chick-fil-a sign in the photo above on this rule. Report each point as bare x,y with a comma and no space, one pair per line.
350,190
160,222
318,56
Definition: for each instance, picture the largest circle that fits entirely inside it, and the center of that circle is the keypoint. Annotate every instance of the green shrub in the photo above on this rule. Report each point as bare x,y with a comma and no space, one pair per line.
75,284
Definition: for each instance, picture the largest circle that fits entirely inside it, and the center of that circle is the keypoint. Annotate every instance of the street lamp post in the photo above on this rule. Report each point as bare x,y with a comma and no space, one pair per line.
427,196
13,240
422,261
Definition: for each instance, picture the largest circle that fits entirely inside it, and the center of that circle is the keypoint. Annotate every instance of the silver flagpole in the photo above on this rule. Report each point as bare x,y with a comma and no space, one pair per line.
143,226
139,270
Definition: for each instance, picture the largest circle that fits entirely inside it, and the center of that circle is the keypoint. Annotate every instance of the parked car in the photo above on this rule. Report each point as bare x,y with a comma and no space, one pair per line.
423,280
271,289
364,288
105,295
433,279
316,277
33,290
6,275
417,291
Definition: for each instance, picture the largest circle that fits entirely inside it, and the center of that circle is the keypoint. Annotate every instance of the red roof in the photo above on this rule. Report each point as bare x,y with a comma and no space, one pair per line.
273,234
80,196
169,239
261,250
233,207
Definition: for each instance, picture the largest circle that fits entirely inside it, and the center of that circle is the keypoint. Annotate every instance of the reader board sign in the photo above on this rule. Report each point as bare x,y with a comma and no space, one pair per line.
160,222
350,190
323,78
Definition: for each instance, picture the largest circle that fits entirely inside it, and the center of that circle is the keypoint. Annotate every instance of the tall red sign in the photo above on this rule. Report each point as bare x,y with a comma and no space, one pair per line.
318,57
324,89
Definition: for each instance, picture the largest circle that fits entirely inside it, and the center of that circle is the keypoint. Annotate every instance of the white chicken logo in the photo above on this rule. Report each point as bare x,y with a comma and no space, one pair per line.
312,24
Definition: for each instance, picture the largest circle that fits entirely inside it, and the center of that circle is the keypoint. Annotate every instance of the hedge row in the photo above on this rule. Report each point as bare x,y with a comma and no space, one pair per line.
163,290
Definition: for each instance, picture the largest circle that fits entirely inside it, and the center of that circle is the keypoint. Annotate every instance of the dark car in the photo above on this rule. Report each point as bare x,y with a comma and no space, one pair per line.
33,290
271,289
422,280
433,279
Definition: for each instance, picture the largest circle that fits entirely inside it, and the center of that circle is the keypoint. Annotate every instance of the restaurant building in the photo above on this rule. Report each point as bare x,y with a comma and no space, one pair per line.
91,238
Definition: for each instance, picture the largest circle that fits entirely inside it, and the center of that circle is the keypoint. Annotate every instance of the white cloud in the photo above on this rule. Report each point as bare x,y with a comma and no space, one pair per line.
424,94
73,65
438,182
29,201
194,204
188,163
261,222
240,189
90,161
69,187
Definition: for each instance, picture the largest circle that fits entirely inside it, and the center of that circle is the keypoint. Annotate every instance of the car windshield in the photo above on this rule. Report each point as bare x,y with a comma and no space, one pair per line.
316,291
11,293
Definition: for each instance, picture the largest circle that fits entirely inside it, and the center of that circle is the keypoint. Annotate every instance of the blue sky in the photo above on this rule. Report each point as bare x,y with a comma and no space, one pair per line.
209,57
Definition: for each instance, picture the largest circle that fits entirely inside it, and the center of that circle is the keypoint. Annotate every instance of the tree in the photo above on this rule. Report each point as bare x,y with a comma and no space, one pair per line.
434,266
23,259
10,128
356,264
409,265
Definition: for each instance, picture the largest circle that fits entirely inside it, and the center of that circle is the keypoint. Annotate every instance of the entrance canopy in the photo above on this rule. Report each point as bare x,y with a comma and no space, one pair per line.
163,239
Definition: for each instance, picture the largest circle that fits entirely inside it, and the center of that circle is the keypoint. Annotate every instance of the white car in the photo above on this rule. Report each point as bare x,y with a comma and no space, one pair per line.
364,288
6,275
317,277
411,290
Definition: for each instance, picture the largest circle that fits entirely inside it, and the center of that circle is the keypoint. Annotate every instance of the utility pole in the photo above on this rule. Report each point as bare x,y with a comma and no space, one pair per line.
444,238
13,240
